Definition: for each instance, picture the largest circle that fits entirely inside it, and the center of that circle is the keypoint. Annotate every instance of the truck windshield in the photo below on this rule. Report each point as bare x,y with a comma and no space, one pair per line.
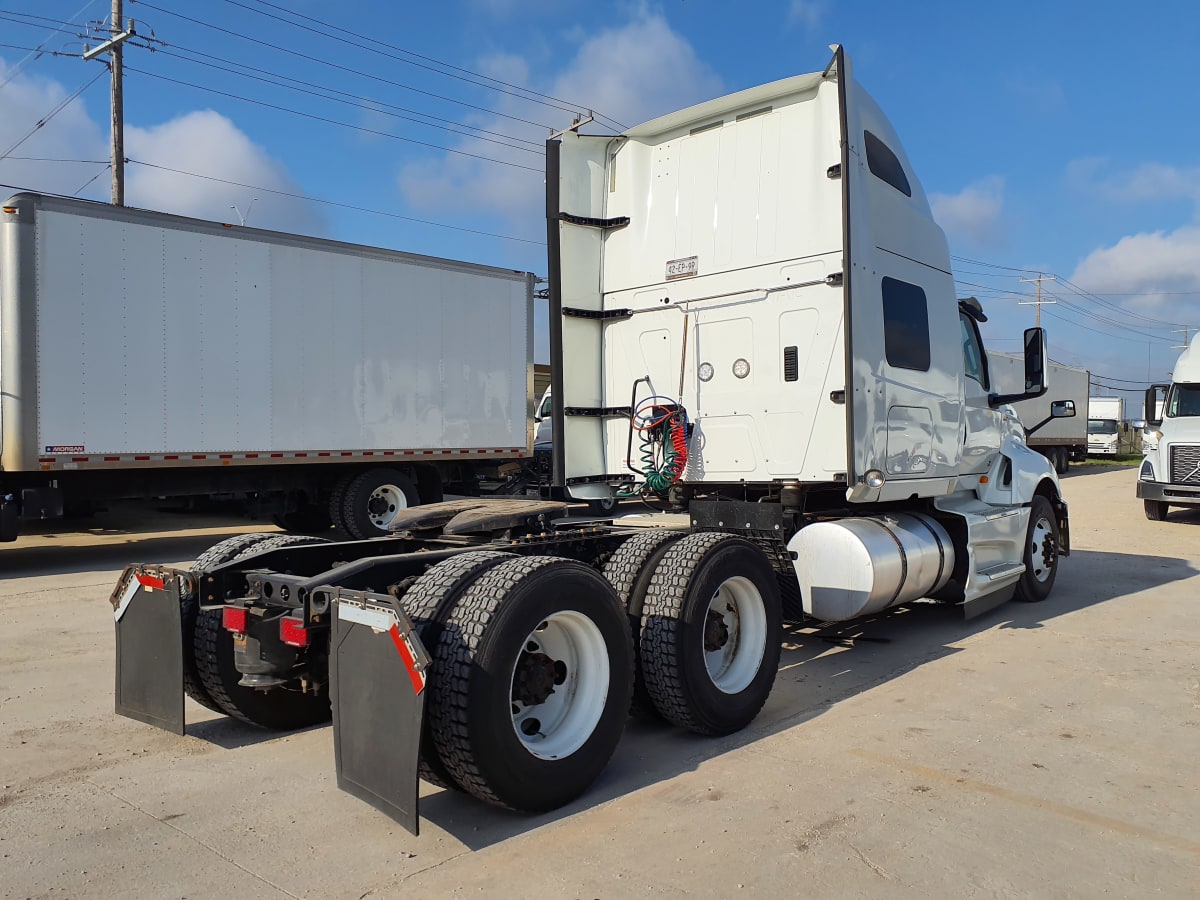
1102,426
1184,400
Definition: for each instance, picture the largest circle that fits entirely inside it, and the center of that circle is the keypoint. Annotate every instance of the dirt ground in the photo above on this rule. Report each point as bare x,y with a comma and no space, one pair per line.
1041,750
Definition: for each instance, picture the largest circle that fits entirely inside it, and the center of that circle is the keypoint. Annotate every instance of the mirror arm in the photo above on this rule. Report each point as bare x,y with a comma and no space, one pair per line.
995,400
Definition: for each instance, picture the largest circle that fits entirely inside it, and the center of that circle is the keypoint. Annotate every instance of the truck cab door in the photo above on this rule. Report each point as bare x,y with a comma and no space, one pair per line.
981,423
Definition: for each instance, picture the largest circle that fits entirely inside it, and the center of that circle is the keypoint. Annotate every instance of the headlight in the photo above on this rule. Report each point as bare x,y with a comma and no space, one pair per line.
1147,472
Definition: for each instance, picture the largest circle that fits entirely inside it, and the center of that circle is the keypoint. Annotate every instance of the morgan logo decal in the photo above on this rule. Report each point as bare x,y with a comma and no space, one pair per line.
65,448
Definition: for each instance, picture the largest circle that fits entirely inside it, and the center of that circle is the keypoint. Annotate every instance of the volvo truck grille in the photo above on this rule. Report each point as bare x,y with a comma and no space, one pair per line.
1185,464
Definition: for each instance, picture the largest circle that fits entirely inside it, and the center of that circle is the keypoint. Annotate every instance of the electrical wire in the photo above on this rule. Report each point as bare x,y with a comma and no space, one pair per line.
364,103
333,65
314,117
484,81
339,204
62,104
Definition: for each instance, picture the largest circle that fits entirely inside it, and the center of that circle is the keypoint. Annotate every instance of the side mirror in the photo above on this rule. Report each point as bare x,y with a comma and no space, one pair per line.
1036,382
1153,416
1138,424
1062,409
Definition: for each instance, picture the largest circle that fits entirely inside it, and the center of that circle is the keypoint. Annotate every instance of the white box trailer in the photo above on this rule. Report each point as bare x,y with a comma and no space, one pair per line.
1061,440
146,354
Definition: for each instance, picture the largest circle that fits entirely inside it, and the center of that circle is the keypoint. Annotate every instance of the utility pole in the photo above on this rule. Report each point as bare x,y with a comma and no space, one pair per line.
113,47
1039,301
1185,331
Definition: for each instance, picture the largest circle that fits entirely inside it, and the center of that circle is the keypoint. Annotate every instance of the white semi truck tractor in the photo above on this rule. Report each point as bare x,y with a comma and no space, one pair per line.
754,325
1170,473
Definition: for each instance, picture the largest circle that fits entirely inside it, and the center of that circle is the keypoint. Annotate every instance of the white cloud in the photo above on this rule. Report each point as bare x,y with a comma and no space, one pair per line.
207,143
1149,182
633,72
202,142
974,214
1154,269
806,13
70,134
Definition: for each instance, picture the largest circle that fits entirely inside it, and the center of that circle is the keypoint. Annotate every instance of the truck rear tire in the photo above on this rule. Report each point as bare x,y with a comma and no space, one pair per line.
279,709
373,499
1156,510
1061,460
712,632
428,602
189,608
629,571
531,682
1041,554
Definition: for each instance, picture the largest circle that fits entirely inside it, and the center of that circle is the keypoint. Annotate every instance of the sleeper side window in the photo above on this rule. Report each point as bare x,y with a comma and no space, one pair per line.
905,325
885,165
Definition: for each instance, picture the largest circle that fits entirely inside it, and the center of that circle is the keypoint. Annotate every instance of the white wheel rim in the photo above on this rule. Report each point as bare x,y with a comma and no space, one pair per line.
564,718
385,503
1041,555
735,635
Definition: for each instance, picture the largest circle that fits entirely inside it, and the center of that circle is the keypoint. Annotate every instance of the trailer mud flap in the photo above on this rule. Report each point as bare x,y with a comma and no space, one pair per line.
377,685
149,684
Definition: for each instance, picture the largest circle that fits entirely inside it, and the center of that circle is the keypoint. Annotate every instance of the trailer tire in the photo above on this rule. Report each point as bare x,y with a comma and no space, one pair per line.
1156,510
189,608
524,628
712,633
629,571
428,602
1061,461
336,496
278,709
1041,554
373,499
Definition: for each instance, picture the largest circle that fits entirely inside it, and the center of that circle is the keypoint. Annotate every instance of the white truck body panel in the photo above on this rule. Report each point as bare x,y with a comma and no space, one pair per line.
1066,383
736,250
136,333
1171,469
1105,415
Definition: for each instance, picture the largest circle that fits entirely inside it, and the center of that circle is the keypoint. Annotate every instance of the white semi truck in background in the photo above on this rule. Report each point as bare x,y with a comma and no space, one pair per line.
150,355
1061,440
794,378
1170,473
1106,420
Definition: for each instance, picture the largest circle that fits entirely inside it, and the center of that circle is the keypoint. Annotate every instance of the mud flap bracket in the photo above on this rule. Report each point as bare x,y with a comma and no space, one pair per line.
377,668
149,684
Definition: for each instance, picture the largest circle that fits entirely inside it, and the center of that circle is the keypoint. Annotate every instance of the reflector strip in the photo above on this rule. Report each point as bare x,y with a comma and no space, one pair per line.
255,456
415,675
151,581
130,589
375,619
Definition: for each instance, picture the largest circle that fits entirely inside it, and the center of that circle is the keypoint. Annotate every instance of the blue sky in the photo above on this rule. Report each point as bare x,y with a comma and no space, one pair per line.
1052,137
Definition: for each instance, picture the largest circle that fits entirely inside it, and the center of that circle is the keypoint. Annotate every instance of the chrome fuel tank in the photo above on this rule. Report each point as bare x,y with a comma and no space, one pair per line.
857,566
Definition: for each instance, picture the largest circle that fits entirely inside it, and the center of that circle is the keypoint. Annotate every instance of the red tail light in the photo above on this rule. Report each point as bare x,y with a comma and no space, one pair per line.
292,632
234,619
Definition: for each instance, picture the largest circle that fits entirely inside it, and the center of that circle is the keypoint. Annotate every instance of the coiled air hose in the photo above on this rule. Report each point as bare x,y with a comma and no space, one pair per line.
662,429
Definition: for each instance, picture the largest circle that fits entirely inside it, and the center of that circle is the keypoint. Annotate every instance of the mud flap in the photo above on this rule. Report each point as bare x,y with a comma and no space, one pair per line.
149,684
377,668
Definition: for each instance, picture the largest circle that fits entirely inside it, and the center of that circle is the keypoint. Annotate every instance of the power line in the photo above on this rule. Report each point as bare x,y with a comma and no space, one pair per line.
316,118
40,50
310,199
332,65
365,103
59,107
326,27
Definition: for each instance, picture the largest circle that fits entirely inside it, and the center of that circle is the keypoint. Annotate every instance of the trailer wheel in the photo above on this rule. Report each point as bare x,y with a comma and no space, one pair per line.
280,708
428,601
189,608
373,499
1156,510
1061,460
712,632
1041,553
531,683
629,571
336,497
